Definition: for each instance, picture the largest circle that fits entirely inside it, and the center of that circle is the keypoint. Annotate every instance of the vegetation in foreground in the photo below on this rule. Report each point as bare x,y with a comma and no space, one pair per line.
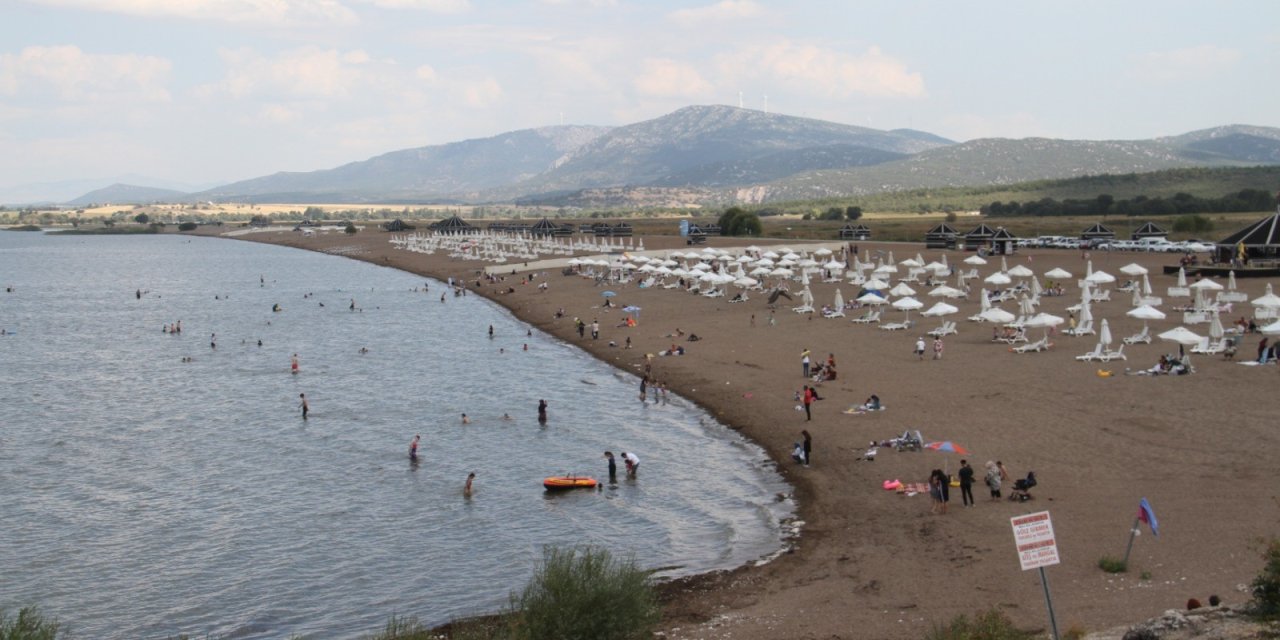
29,624
1266,586
1112,565
988,625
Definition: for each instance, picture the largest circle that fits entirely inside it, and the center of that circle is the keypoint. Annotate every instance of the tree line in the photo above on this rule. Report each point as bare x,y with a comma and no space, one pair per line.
1241,201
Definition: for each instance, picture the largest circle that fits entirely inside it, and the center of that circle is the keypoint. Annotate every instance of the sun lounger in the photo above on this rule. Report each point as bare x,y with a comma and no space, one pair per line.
741,297
1085,328
1117,354
836,313
946,329
895,326
1209,346
1037,346
1101,296
1143,336
867,318
1096,354
804,308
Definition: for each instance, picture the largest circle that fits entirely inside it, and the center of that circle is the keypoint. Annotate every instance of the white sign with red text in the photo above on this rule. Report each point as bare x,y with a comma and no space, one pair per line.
1033,535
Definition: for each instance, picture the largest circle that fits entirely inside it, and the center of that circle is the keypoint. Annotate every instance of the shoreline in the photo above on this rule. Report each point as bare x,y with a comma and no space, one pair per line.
879,563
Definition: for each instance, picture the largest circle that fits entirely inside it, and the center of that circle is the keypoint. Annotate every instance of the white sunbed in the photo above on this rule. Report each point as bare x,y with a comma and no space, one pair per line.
1084,329
867,318
1116,354
1096,354
895,326
1143,336
1039,345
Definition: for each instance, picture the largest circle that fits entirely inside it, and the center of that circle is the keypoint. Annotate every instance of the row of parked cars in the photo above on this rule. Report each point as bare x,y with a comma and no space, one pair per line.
1157,245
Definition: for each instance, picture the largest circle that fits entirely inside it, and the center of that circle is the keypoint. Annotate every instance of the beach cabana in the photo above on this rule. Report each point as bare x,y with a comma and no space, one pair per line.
453,225
942,236
1149,230
1257,244
1003,242
855,232
544,227
1097,231
978,238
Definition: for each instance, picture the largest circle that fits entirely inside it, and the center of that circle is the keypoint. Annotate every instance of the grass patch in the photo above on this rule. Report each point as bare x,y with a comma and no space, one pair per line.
584,593
988,625
1112,565
29,624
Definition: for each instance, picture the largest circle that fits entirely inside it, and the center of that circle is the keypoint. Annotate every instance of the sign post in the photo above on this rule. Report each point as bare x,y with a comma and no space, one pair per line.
1037,549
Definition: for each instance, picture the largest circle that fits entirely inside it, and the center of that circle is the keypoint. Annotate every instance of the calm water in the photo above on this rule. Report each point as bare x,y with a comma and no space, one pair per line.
144,496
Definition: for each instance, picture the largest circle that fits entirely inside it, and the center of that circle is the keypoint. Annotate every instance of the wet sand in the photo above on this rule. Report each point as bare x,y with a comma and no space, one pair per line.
875,564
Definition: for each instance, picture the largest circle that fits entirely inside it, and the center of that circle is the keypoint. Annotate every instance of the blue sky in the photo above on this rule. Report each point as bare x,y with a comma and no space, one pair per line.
205,91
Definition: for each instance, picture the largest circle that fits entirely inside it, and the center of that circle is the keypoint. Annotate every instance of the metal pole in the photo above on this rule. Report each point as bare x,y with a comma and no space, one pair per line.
1048,601
1133,533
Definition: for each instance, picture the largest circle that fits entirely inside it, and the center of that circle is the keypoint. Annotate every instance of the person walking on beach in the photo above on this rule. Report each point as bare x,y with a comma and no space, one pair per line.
613,466
582,328
804,363
935,492
595,329
993,480
542,411
413,448
306,408
808,403
937,348
966,483
920,347
1004,475
808,447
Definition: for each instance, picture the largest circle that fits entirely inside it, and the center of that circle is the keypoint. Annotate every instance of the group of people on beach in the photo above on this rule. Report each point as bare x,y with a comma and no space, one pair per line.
940,485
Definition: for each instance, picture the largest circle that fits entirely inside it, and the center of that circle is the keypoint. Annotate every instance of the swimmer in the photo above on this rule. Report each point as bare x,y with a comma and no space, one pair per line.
306,408
353,304
466,489
413,448
490,332
213,341
465,419
293,361
364,350
507,417
526,346
259,342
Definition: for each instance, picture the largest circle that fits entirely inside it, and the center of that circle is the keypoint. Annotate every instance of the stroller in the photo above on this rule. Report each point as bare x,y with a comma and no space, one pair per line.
909,441
1022,488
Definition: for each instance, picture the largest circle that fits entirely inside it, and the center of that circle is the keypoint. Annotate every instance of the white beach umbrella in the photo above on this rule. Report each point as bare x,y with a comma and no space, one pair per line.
1145,312
1182,277
885,269
1104,333
823,251
1216,330
1043,320
1268,300
760,271
872,299
938,268
701,266
838,302
834,265
975,261
665,271
1271,329
907,304
902,290
744,259
911,263
1100,277
692,256
790,255
876,284
770,255
1206,285
996,315
939,309
1058,273
1231,280
573,262
781,272
807,263
786,262
648,268
1020,271
943,291
1133,269
1182,336
670,263
997,278
765,262
753,249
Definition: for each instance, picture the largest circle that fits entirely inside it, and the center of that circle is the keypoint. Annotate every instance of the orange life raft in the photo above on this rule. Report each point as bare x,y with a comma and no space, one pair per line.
569,482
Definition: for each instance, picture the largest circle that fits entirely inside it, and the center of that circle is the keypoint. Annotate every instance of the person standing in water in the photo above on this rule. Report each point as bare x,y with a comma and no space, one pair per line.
413,448
306,408
293,361
490,332
213,341
542,411
613,466
633,463
466,488
353,304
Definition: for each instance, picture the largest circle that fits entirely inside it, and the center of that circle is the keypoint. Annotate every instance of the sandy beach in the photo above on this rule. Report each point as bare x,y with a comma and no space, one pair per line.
872,563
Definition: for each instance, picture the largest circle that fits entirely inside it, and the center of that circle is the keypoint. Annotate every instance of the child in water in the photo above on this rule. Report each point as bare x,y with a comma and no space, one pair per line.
466,489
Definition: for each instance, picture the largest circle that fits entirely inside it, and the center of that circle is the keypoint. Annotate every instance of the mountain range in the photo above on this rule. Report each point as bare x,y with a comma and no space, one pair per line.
716,155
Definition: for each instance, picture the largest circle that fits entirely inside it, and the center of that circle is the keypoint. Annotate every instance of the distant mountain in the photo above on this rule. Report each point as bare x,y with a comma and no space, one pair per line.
435,172
126,194
777,165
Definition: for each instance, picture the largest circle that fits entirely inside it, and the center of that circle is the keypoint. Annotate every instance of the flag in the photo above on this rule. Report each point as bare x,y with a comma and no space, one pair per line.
1147,515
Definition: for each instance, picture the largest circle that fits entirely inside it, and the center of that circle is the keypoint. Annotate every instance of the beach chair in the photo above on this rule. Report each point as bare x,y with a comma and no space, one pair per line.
1101,296
741,297
1209,347
1083,329
1143,336
867,318
834,313
1039,345
895,326
1179,292
1096,354
714,293
804,308
946,329
1116,354
647,282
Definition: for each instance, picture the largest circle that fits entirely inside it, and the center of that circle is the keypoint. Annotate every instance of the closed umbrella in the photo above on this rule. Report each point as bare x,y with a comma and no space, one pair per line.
1216,330
1025,306
1104,334
1182,277
838,303
1231,280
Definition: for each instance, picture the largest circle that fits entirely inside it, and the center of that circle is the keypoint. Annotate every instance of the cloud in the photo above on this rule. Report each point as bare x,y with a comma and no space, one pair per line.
670,78
307,72
1180,64
74,75
266,12
718,12
481,93
812,69
435,6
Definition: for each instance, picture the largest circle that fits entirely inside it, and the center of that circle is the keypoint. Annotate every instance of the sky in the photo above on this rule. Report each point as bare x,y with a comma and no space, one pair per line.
202,92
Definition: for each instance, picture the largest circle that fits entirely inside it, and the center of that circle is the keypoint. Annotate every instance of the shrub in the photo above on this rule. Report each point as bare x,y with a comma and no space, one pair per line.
187,226
407,628
988,625
29,625
351,227
1112,565
1266,587
583,593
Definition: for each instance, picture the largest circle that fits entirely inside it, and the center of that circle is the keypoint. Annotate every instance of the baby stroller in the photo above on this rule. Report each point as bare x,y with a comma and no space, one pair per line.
909,441
1022,488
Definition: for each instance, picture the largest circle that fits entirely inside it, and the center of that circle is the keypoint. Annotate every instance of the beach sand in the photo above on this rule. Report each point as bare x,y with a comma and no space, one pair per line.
875,564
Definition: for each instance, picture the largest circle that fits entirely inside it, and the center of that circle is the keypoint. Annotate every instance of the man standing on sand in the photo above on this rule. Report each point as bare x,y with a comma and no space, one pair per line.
920,348
804,362
966,483
808,403
595,329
